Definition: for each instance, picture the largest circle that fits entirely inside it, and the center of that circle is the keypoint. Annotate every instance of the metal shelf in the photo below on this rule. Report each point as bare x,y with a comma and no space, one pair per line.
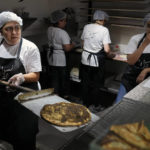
123,13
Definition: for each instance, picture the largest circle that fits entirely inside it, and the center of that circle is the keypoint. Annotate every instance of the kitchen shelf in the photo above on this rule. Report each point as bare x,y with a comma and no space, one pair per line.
123,13
27,22
129,1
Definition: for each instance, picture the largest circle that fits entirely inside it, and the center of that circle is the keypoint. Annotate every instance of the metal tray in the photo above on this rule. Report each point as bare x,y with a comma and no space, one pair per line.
127,111
36,102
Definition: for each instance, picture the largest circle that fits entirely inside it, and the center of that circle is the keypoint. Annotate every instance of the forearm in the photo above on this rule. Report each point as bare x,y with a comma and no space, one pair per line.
142,75
32,77
109,53
147,70
68,47
133,58
107,48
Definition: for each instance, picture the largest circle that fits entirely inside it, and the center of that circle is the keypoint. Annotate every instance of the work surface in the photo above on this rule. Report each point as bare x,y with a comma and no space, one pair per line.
129,110
51,136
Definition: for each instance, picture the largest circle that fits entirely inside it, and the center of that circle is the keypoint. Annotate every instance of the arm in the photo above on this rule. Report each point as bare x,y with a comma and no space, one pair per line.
133,58
32,64
32,77
142,75
109,53
68,47
19,78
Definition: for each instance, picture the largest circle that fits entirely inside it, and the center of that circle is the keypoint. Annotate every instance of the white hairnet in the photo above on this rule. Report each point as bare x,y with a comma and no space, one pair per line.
57,16
146,19
8,16
100,15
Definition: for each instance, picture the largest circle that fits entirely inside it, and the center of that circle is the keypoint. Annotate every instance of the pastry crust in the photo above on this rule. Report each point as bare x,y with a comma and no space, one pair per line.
131,136
66,114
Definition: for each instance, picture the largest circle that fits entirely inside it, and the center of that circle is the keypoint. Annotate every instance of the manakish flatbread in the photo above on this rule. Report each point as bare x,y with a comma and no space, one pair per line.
66,114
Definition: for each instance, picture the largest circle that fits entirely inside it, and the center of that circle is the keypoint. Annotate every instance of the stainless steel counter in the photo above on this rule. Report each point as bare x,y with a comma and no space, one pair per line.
141,92
53,137
135,106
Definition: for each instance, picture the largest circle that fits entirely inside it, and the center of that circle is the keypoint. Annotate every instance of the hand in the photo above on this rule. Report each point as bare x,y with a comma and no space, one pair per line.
76,44
141,76
17,79
111,54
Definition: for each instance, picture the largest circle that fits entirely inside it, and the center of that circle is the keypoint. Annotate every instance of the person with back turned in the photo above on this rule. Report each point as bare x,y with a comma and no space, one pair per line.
60,44
96,40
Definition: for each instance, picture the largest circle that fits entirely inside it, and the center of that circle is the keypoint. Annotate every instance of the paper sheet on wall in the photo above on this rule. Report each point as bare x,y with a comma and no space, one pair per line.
147,84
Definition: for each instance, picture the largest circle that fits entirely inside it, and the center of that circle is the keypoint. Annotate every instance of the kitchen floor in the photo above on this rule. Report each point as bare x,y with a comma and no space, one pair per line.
106,97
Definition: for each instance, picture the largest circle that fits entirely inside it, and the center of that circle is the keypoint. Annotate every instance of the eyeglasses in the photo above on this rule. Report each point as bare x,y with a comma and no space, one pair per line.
15,28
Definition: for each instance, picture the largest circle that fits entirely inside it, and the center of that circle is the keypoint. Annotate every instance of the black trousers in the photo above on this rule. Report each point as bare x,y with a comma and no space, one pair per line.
18,125
59,80
92,79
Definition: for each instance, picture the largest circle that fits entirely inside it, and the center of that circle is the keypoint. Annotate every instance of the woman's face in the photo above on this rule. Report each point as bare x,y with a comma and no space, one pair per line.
11,32
62,23
148,27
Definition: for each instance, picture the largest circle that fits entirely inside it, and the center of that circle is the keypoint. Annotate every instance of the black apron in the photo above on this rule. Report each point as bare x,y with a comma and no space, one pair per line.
60,76
12,66
132,71
101,55
17,122
92,79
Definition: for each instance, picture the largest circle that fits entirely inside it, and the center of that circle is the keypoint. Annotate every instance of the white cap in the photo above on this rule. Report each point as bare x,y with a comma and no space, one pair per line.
146,19
8,16
57,16
100,15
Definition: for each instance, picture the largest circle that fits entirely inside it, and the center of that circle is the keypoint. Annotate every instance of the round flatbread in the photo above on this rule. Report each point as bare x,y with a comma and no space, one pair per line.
66,114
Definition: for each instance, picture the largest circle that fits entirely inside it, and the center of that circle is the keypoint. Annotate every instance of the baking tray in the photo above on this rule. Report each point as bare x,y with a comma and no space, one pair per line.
127,111
95,144
36,103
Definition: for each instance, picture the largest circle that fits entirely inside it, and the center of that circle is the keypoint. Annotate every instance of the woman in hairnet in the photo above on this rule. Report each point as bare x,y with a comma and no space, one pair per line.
96,40
138,59
20,64
60,43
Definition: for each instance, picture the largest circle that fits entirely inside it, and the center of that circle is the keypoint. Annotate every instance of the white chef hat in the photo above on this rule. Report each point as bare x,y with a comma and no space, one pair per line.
146,19
7,16
57,16
100,15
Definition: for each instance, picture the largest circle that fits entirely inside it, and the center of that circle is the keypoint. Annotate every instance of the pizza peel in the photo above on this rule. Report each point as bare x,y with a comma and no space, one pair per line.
22,88
30,93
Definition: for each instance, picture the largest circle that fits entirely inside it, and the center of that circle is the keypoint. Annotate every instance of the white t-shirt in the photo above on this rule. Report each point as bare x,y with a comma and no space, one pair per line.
94,37
29,55
56,38
133,43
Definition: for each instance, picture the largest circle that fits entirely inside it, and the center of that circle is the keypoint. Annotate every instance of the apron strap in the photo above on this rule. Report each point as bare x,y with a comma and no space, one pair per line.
2,41
19,48
95,55
90,55
141,40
